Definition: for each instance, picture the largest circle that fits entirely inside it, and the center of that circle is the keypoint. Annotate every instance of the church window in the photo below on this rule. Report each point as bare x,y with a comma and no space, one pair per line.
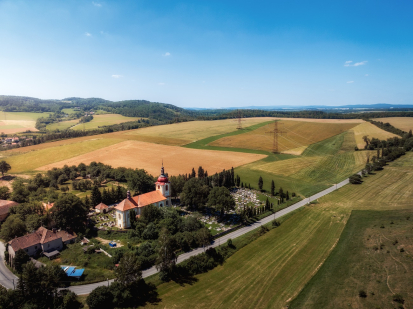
119,216
160,205
166,203
166,187
158,187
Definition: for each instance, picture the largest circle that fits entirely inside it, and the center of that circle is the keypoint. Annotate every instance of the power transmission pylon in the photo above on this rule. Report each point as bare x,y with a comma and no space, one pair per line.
239,119
275,133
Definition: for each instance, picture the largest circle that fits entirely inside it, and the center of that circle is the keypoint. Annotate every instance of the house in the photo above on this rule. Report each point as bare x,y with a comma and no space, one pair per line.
5,207
132,206
101,208
42,240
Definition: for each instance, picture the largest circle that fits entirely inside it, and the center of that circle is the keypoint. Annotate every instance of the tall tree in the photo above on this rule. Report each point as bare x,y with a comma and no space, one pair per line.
4,167
166,260
70,212
221,199
194,193
95,196
12,227
260,183
272,188
128,271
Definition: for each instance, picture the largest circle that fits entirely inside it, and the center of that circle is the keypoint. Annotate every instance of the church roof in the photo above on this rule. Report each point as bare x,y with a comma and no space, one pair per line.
101,206
149,198
126,204
141,200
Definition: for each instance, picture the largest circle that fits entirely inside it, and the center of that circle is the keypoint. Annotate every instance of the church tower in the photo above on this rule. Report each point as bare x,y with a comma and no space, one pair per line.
164,186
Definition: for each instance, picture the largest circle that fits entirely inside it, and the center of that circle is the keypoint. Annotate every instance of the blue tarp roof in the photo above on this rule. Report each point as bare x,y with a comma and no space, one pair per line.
73,272
77,273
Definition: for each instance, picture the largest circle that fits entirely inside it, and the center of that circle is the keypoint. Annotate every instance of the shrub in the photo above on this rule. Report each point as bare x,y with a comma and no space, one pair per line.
229,243
276,223
362,294
398,298
263,229
99,298
355,179
402,250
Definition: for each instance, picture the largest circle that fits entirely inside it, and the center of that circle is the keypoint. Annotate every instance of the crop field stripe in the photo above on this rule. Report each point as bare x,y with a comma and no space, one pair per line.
203,143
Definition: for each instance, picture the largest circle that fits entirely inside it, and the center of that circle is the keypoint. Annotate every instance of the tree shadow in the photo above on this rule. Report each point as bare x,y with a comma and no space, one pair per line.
182,276
8,177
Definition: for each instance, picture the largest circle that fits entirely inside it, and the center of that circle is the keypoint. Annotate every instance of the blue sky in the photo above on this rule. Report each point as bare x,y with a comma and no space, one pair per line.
209,53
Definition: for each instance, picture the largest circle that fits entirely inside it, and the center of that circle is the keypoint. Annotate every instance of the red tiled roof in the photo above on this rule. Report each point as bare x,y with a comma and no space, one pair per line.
101,206
149,198
126,204
41,236
66,236
25,241
47,235
141,200
5,206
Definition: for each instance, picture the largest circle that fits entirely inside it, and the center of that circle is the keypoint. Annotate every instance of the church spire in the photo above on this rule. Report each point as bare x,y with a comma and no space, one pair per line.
162,169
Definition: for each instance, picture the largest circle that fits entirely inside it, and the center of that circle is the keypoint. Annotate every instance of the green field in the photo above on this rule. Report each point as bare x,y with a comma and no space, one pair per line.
271,272
366,258
321,165
22,116
62,125
104,120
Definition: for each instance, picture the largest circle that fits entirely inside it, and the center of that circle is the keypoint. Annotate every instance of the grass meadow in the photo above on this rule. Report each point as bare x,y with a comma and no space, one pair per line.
104,120
272,271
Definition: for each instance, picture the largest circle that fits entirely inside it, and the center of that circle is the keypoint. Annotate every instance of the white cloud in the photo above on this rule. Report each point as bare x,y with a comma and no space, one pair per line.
97,4
360,63
88,34
161,84
167,54
349,63
116,76
350,82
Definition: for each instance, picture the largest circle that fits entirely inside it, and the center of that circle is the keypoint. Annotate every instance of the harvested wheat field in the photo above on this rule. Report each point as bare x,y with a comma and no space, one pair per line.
322,120
402,123
297,135
371,131
192,131
177,160
16,126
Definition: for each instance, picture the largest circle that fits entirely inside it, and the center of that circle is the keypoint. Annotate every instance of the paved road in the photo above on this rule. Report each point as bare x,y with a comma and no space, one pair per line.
6,276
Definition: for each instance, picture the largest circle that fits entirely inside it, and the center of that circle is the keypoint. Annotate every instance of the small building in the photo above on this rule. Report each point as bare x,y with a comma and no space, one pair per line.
101,208
5,206
42,240
132,206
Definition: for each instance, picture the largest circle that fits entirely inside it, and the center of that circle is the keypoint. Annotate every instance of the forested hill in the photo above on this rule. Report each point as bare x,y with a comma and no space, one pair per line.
130,108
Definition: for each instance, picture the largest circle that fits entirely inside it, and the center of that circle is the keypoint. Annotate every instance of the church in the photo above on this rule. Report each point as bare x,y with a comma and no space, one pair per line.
132,206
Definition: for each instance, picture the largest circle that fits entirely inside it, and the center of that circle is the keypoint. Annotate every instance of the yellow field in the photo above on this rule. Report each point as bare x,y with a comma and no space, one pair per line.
402,123
177,160
15,122
370,130
192,131
297,134
31,160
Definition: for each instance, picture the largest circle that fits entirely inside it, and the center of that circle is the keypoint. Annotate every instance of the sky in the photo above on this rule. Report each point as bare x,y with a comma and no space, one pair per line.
209,54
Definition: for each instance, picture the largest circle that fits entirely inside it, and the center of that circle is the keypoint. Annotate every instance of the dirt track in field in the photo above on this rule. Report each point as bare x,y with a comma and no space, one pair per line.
177,160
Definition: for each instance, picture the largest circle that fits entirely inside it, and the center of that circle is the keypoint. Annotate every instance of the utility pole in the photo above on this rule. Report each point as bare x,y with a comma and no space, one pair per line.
275,133
239,119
